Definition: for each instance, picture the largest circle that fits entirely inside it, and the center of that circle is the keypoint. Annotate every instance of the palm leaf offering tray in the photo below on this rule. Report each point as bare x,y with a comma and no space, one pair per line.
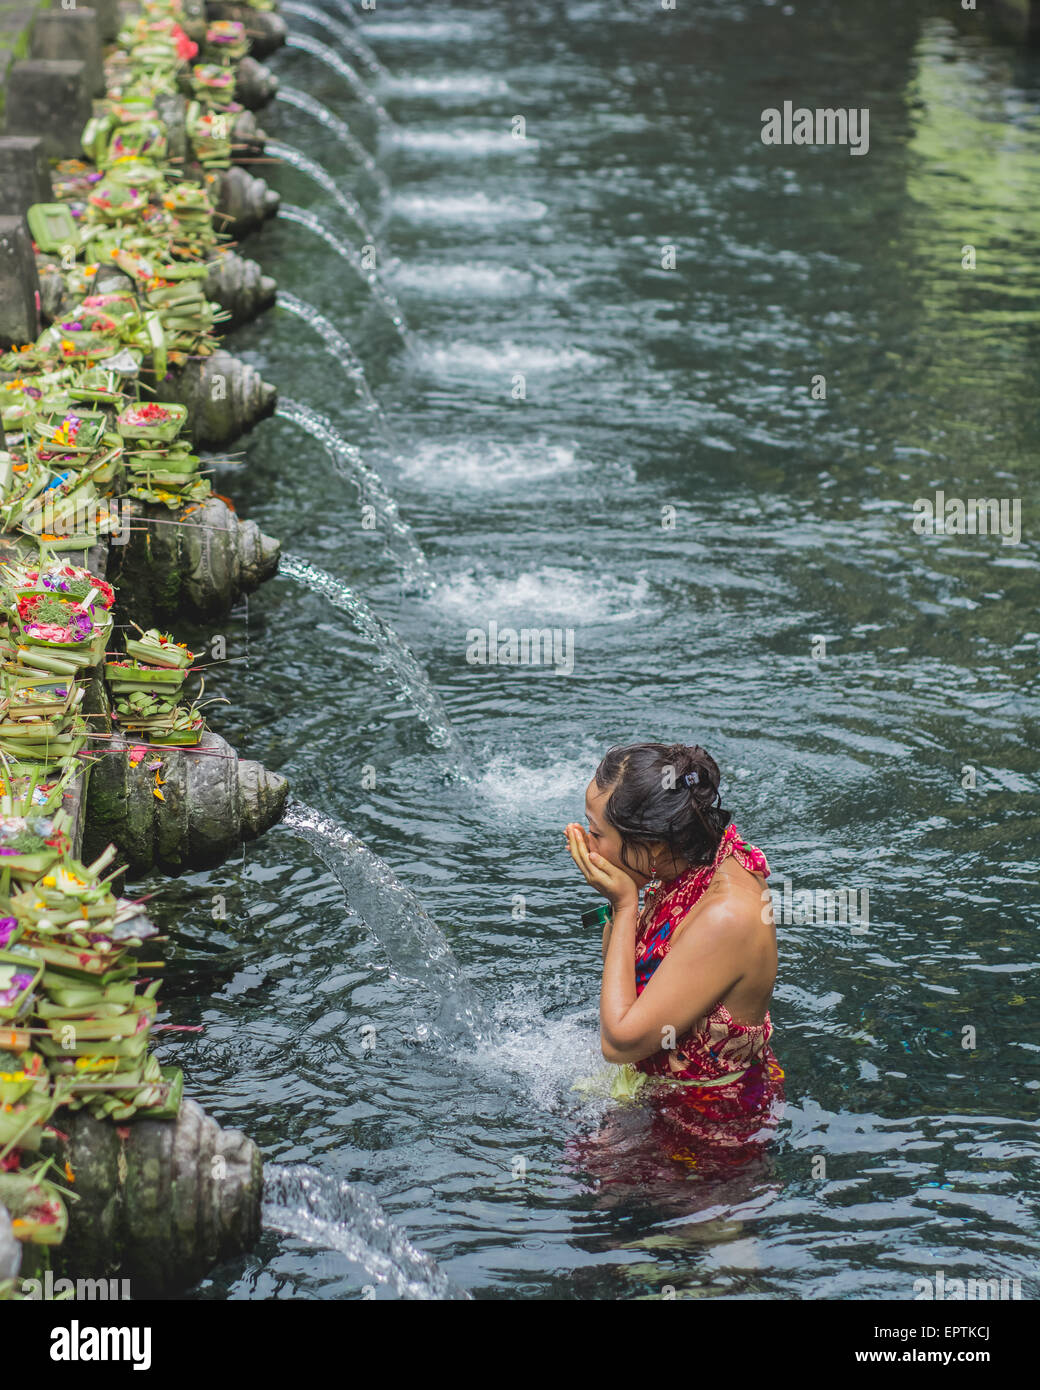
160,467
74,974
31,845
85,421
103,384
213,84
154,421
57,634
128,677
70,432
226,40
20,972
26,1101
37,1206
26,696
57,624
146,691
155,648
209,135
27,790
179,727
67,581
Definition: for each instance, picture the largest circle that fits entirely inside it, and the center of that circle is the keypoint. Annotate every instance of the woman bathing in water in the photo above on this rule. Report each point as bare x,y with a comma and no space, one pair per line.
687,977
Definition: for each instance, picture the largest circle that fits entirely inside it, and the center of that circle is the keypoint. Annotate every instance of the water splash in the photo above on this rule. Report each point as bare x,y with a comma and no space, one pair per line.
290,213
464,142
346,9
429,31
342,34
447,87
348,463
303,101
290,155
332,59
467,208
303,1202
392,654
417,948
334,341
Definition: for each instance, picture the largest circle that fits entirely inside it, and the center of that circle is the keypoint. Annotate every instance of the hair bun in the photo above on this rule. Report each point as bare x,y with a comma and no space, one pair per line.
698,770
664,793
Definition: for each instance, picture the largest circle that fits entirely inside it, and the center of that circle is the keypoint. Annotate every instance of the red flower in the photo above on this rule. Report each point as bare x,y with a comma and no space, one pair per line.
186,48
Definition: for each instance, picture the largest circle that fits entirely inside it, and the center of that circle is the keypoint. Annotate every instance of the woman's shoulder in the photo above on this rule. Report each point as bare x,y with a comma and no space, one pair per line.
733,920
736,903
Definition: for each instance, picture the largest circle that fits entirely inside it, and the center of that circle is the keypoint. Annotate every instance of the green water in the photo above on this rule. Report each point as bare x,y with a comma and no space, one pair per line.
907,1145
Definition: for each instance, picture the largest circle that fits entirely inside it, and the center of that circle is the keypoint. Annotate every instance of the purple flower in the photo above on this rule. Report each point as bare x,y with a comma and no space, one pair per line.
19,982
8,927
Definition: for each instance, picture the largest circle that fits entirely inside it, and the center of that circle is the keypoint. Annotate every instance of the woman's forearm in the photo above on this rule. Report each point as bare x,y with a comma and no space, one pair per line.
618,990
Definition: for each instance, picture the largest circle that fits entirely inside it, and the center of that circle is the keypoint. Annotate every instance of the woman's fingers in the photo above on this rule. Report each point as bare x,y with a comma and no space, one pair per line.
579,853
583,855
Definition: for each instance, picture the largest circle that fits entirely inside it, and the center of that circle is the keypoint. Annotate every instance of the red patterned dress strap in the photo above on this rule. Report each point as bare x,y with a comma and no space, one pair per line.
748,856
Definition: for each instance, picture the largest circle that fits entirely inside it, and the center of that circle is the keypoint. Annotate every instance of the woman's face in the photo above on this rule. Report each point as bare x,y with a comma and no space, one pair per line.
605,840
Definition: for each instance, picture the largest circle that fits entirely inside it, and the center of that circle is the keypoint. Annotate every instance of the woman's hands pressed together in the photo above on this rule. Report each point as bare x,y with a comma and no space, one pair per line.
607,879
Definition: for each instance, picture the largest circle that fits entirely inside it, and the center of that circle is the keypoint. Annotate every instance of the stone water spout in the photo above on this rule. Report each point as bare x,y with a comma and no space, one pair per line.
242,202
198,562
160,1202
213,801
224,396
255,84
265,29
240,286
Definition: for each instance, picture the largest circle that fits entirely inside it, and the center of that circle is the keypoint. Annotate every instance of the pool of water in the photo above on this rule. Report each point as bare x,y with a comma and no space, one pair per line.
397,993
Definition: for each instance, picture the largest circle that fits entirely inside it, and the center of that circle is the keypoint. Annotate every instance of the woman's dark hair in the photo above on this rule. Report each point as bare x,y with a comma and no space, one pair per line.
664,792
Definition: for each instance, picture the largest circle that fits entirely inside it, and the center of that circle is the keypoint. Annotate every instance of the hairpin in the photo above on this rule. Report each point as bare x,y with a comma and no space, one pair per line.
692,779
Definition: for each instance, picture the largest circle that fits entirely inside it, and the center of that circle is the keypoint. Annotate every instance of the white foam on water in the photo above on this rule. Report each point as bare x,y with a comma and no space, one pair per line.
301,1201
462,84
465,207
464,358
544,597
462,142
433,31
436,281
547,795
547,1056
445,466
